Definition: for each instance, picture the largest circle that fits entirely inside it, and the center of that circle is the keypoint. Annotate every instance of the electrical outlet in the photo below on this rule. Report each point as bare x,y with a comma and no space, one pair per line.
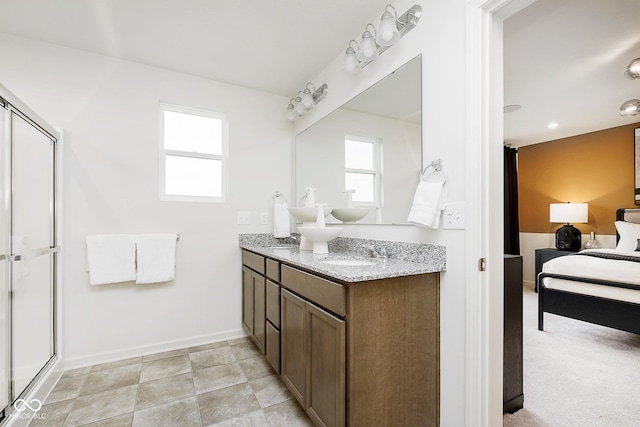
244,217
264,218
453,217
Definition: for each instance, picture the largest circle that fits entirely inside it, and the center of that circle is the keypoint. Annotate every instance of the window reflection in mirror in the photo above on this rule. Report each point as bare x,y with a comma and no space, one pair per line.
372,144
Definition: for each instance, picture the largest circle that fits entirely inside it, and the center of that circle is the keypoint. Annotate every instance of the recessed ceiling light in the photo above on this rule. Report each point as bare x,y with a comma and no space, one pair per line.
511,108
552,125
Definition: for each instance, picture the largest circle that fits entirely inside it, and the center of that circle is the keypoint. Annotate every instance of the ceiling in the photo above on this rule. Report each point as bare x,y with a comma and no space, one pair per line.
563,59
564,62
268,45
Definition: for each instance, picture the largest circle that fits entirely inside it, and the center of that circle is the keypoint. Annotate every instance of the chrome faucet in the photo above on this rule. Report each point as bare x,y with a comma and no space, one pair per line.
376,251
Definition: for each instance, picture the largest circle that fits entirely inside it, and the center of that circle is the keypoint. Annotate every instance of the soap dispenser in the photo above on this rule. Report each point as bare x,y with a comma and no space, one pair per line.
348,198
310,198
320,215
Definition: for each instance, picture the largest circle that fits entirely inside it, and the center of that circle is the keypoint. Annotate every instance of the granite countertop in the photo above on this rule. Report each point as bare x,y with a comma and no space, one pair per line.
406,259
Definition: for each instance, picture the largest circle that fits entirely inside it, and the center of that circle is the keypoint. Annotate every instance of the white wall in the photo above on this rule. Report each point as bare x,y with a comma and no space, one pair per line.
440,38
109,110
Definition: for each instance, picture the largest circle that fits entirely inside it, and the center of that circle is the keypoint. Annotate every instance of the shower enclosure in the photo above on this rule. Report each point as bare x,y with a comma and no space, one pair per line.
28,253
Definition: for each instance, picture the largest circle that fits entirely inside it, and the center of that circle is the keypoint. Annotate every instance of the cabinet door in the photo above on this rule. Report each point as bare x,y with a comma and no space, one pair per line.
259,317
247,300
326,367
273,347
293,345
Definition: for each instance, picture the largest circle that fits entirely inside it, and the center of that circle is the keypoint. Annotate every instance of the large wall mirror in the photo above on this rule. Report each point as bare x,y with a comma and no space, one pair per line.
372,144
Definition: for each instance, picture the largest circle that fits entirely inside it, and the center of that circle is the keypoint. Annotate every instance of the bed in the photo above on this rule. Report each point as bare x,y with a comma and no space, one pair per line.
600,286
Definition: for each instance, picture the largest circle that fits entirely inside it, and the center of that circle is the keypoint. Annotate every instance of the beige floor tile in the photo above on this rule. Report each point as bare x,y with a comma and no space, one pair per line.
182,413
116,364
54,414
101,406
256,367
252,419
270,390
227,403
165,368
213,357
218,377
209,346
66,388
245,350
120,421
165,390
76,372
238,340
110,379
287,414
164,355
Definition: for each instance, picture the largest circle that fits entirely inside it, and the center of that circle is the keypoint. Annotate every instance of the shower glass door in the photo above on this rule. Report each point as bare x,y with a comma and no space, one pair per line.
33,253
4,264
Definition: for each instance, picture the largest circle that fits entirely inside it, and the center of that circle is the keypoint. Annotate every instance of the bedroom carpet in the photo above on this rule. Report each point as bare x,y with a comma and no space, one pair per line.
577,374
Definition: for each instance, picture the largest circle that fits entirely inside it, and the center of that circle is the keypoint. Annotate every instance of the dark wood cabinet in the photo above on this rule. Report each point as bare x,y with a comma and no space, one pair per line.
354,353
545,254
513,395
294,345
253,306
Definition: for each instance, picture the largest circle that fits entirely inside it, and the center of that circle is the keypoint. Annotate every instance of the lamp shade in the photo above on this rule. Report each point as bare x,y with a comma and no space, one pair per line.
569,212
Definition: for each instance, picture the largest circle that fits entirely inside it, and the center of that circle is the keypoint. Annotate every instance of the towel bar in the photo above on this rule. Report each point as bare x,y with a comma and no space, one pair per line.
437,167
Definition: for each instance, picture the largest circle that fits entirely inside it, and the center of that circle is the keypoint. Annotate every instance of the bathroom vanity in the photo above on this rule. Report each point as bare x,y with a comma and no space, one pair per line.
355,344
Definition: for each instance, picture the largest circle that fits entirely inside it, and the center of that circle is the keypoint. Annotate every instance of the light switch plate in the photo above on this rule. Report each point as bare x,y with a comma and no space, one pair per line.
453,217
244,217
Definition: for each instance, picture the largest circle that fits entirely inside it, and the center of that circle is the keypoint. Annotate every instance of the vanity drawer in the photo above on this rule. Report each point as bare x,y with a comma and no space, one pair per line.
273,270
325,293
273,303
253,261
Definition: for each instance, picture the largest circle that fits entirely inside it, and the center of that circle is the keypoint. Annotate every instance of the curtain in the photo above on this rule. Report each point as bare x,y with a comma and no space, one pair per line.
511,222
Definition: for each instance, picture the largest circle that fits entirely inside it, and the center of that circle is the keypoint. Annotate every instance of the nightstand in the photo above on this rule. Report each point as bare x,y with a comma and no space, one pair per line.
545,254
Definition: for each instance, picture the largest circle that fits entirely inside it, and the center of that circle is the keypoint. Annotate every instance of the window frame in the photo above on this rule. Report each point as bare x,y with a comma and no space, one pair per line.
376,171
223,157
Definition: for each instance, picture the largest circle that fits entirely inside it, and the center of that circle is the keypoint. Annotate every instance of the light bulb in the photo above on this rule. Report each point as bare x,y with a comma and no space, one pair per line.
291,113
350,63
633,70
307,99
388,31
299,106
368,49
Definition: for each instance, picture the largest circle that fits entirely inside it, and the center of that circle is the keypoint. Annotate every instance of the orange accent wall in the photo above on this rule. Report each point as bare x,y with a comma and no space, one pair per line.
595,168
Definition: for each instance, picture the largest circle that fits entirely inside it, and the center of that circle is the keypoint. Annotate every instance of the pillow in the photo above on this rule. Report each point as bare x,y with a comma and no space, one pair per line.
629,235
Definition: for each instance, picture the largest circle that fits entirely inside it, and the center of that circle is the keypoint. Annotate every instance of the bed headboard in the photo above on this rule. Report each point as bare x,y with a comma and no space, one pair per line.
629,215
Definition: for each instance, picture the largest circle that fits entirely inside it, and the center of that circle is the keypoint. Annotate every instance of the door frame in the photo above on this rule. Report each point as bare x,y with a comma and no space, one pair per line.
484,188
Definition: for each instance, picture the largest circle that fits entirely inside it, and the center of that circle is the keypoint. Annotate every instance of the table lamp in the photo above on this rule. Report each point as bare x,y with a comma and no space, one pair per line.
568,238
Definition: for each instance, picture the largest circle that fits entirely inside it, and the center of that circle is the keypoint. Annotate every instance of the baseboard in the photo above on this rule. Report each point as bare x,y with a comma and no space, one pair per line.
529,284
112,356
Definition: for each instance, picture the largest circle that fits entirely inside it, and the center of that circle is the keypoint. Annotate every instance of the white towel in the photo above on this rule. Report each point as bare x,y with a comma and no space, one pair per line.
281,226
111,258
428,203
156,255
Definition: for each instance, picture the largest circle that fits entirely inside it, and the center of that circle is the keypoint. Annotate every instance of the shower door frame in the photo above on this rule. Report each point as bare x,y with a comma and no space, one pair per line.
10,106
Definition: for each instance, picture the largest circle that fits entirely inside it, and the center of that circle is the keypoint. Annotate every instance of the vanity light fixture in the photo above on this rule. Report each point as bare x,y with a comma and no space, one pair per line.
373,43
305,100
632,106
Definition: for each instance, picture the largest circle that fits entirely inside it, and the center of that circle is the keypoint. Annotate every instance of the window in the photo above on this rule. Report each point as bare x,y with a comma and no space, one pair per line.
193,154
362,171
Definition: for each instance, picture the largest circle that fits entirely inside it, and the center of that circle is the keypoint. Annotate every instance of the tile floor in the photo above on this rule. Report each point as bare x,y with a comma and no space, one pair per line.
221,384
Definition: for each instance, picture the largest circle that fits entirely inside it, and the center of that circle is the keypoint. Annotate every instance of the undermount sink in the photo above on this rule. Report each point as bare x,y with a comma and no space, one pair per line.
349,262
